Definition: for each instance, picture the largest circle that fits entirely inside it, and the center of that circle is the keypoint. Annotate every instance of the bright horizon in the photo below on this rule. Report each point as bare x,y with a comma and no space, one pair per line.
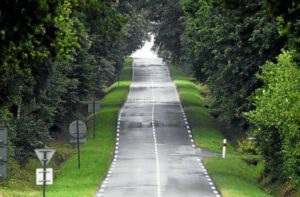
145,51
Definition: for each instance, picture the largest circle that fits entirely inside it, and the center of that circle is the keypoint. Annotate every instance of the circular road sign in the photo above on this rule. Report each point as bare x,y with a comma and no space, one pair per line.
82,129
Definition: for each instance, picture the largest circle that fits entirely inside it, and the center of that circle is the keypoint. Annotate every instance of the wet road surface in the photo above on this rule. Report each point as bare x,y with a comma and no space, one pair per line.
155,155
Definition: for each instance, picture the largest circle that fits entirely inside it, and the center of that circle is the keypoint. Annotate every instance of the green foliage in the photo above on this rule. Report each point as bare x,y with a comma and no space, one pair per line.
288,13
233,176
277,119
54,54
168,26
227,42
27,138
96,153
247,146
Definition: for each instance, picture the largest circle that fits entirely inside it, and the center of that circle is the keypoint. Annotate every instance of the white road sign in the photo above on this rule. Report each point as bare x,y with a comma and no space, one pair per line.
82,130
91,106
44,153
40,176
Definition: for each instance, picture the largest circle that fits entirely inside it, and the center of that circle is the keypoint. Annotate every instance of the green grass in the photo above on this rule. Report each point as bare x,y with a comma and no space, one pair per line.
233,176
204,130
96,154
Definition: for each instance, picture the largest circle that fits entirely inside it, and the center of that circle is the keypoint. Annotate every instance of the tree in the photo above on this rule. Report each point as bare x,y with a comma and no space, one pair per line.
288,13
167,22
227,42
277,119
54,54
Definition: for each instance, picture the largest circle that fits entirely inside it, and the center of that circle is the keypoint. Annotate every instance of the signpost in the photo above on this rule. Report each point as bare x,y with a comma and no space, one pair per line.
44,176
3,153
78,131
92,108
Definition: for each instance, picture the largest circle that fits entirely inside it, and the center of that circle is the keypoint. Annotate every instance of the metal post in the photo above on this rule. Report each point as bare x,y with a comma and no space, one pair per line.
44,173
94,125
78,146
118,78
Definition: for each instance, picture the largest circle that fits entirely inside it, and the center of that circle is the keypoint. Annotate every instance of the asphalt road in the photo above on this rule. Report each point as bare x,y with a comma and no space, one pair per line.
155,154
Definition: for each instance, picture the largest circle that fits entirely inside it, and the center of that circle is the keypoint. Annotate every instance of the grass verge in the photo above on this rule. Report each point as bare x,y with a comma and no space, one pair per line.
96,154
233,176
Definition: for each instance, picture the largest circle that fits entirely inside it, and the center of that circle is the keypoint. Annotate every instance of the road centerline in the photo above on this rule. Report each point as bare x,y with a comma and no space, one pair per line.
155,137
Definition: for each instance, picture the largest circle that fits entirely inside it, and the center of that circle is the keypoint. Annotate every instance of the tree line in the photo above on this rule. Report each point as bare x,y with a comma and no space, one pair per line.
55,54
249,53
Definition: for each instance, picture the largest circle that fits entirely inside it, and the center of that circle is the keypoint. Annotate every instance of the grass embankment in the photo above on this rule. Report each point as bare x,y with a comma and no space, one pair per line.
96,154
233,176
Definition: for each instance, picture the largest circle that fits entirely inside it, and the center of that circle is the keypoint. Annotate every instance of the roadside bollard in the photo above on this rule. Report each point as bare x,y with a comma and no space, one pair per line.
224,148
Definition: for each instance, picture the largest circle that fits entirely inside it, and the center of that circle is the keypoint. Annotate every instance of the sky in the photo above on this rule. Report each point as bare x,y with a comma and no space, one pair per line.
145,51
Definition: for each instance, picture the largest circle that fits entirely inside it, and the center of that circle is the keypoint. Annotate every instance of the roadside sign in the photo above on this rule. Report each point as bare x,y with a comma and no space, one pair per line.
3,170
78,134
44,176
44,155
91,106
40,176
3,153
3,136
82,132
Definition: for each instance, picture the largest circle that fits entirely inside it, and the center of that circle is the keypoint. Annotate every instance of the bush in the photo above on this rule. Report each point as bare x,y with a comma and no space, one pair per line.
30,131
277,118
247,146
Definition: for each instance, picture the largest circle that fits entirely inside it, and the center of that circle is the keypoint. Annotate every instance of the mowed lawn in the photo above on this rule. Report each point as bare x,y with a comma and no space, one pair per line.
233,176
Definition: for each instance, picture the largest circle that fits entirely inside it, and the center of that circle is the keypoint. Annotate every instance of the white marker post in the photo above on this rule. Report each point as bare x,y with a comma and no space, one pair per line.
224,148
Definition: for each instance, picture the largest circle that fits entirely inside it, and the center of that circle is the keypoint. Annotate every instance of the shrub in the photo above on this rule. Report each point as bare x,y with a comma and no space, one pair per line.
277,117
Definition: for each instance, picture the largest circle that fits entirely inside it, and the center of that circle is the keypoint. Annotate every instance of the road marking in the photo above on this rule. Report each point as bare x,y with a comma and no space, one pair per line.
154,138
210,182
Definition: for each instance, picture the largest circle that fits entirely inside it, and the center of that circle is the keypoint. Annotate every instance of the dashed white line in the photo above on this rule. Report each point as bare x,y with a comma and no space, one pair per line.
154,138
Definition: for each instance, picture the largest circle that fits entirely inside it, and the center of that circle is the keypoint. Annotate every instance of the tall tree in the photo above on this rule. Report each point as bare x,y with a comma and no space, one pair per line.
227,42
